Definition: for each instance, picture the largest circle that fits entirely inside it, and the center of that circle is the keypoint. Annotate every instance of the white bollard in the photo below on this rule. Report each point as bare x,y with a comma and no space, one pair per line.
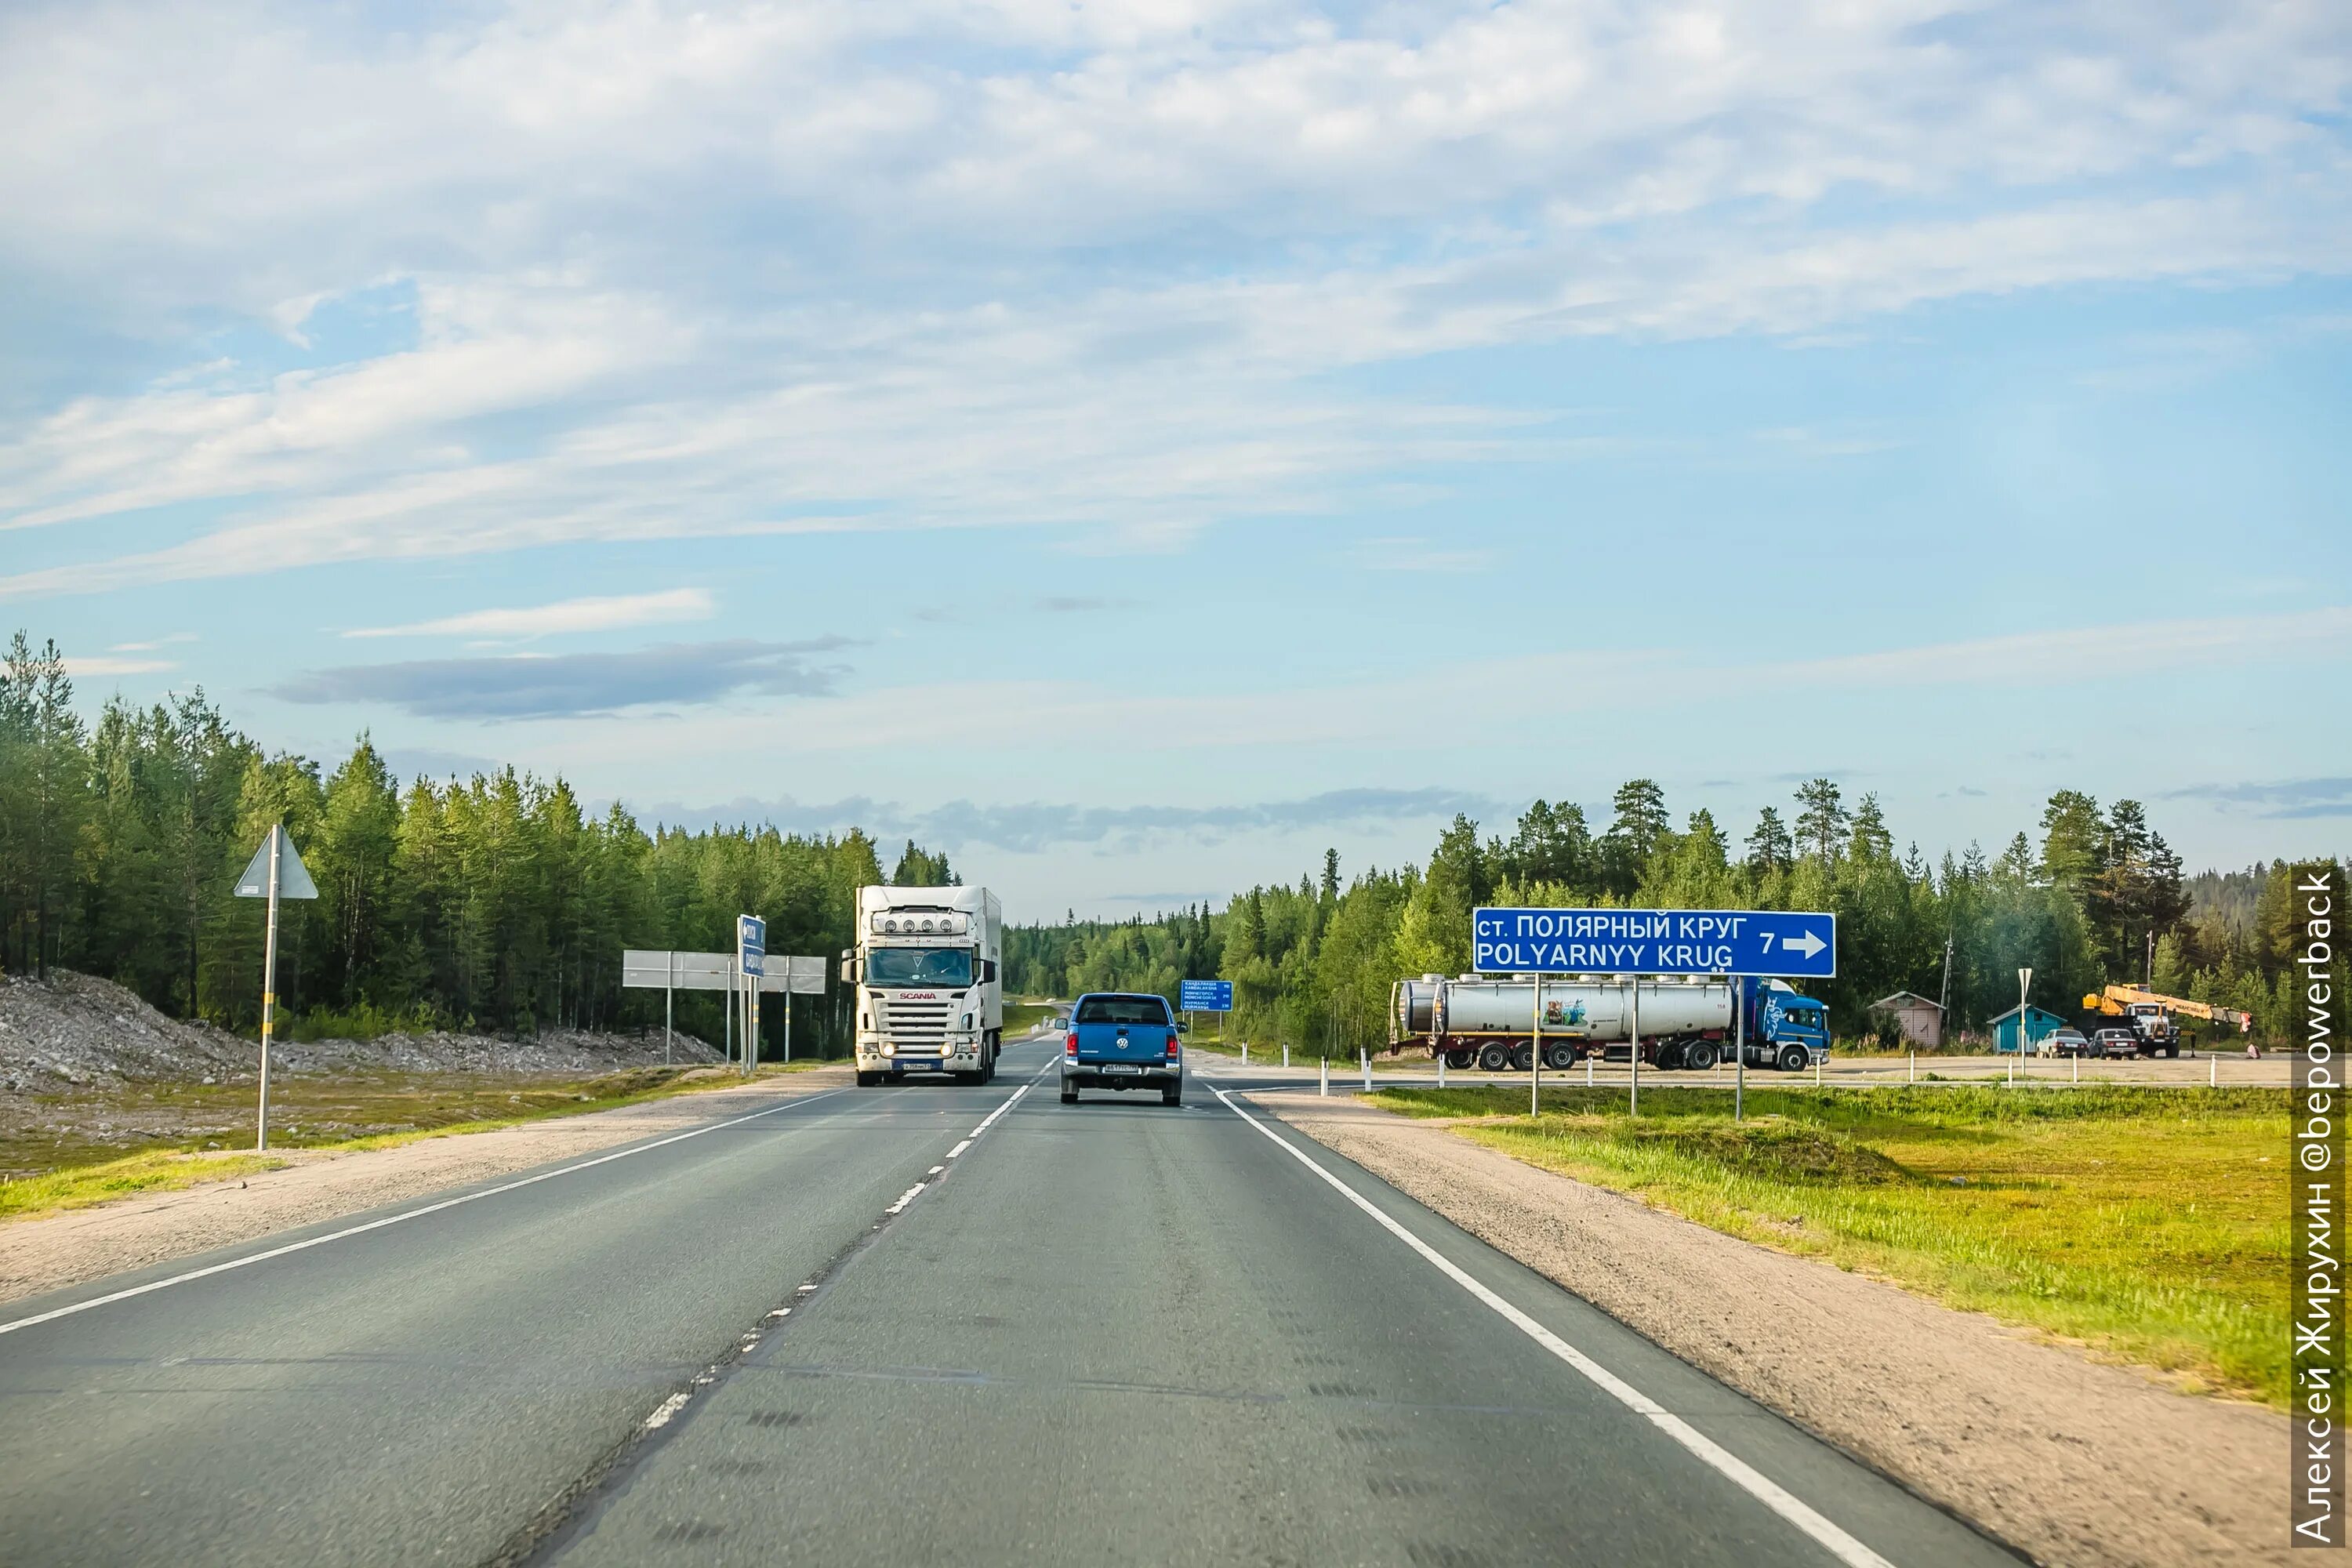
1441,1069
2213,1070
1817,1070
1244,1053
1914,1067
1364,1060
1326,1087
1588,1071
1285,1054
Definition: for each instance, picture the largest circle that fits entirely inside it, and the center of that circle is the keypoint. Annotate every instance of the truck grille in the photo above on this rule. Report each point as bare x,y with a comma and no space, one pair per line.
906,1022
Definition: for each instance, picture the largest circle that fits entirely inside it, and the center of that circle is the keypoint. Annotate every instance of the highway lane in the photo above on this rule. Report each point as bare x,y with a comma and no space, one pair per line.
428,1388
1126,1333
1109,1333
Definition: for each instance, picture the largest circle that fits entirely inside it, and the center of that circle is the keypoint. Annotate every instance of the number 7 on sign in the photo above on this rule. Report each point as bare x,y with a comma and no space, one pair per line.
1768,940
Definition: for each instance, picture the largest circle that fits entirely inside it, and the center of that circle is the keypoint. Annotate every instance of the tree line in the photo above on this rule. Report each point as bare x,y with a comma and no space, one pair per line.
2100,898
494,902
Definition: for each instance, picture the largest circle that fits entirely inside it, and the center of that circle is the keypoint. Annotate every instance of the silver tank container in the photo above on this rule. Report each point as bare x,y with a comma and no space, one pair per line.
1591,1009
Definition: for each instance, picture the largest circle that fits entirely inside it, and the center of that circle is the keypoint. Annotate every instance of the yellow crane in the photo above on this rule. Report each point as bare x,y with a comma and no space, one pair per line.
2150,1014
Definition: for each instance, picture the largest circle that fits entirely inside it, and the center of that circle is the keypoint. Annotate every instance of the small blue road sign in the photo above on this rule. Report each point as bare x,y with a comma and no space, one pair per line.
1206,996
751,942
1791,945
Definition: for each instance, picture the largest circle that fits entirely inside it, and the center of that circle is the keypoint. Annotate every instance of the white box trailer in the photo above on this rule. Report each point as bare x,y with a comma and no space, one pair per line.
927,969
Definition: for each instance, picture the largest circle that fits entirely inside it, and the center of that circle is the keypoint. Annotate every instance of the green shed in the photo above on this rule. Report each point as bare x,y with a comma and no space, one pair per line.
2040,1022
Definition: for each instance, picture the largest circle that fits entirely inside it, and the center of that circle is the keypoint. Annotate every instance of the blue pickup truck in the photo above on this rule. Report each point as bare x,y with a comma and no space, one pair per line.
1122,1041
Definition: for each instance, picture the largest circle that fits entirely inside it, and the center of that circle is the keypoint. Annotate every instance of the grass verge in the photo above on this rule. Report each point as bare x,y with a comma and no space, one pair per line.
428,1114
2150,1225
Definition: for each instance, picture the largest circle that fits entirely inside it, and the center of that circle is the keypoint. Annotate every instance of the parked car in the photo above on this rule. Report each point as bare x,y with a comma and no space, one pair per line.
2114,1042
1122,1040
2065,1041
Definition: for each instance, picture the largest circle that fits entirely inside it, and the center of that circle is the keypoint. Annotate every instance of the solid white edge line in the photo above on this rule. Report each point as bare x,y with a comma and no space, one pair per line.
264,1256
959,1147
1768,1492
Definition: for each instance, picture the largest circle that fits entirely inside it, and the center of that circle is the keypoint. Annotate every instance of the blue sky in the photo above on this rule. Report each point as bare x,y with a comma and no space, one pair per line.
1137,445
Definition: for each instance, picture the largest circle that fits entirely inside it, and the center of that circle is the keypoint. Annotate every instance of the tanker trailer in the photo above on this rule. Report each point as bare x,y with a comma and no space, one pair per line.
1490,1023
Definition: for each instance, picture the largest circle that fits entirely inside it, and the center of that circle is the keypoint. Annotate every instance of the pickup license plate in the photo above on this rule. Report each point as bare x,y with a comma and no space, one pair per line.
1122,1066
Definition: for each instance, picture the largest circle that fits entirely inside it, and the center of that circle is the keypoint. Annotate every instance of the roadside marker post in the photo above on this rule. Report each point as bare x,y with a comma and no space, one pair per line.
1285,1055
275,871
1364,1060
1325,1088
1441,1069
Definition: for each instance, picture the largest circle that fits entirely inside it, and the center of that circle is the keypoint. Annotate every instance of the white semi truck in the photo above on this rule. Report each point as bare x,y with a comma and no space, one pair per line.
926,972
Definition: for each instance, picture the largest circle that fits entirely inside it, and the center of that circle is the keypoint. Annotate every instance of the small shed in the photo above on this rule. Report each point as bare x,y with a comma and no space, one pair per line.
2040,1022
1921,1020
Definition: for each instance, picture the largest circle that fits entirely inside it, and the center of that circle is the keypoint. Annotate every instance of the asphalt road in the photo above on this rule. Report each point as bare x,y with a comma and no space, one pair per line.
857,1328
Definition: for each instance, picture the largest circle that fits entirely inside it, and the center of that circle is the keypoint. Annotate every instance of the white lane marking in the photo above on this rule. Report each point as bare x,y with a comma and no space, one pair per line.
1768,1492
909,1195
405,1214
935,1169
665,1410
957,1149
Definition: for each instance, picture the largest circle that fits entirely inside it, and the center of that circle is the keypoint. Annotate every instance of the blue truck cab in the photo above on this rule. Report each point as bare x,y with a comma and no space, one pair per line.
1122,1040
1785,1029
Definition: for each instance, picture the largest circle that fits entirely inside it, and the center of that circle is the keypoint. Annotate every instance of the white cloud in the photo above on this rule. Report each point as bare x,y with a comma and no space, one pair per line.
100,665
712,270
585,615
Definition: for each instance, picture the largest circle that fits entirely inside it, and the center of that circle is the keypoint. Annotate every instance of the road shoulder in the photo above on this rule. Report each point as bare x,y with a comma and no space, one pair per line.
2068,1460
52,1251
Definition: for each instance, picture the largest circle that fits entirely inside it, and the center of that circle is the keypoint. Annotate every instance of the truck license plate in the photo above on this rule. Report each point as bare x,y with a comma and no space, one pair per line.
919,1063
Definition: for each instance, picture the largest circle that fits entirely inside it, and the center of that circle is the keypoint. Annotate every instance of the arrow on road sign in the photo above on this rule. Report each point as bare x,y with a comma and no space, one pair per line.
1806,943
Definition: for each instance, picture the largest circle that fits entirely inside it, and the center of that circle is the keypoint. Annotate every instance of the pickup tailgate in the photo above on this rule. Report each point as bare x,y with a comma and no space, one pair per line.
1122,1041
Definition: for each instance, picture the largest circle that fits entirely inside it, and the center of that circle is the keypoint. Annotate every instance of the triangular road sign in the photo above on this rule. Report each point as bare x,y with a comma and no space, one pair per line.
293,877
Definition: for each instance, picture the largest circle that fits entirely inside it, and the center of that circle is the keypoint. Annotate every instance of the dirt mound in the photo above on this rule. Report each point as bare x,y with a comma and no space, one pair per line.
75,1032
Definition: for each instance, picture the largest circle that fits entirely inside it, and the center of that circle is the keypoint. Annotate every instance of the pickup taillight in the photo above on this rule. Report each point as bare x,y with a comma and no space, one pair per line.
1070,1044
1172,1042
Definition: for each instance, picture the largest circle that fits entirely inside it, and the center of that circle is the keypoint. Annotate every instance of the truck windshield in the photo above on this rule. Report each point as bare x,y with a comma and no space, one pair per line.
949,967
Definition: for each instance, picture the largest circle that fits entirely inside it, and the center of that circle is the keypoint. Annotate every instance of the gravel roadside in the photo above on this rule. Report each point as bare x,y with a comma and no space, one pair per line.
2069,1460
51,1251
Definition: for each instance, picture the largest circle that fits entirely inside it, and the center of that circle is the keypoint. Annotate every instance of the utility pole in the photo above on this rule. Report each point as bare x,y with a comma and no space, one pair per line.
1943,996
2024,983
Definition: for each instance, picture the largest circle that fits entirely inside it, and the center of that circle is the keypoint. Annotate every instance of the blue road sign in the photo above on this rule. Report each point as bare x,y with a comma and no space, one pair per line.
751,942
1791,945
1206,995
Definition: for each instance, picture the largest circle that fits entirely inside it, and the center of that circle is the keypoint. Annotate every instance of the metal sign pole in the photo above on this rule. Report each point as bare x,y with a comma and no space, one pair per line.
727,1037
1633,1058
268,997
1739,1049
1535,1049
669,990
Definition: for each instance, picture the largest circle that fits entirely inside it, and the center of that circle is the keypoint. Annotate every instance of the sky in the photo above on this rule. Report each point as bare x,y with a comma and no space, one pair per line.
1135,446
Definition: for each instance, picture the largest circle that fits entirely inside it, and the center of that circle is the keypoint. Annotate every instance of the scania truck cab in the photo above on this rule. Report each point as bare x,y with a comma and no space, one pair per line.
926,972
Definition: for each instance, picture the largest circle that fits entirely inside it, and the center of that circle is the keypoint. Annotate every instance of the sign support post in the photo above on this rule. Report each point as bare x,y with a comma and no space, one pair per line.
275,871
268,997
669,990
1634,1055
1738,1049
1535,1053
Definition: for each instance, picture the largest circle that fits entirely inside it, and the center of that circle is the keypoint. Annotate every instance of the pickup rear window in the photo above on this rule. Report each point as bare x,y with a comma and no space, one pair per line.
1123,1010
